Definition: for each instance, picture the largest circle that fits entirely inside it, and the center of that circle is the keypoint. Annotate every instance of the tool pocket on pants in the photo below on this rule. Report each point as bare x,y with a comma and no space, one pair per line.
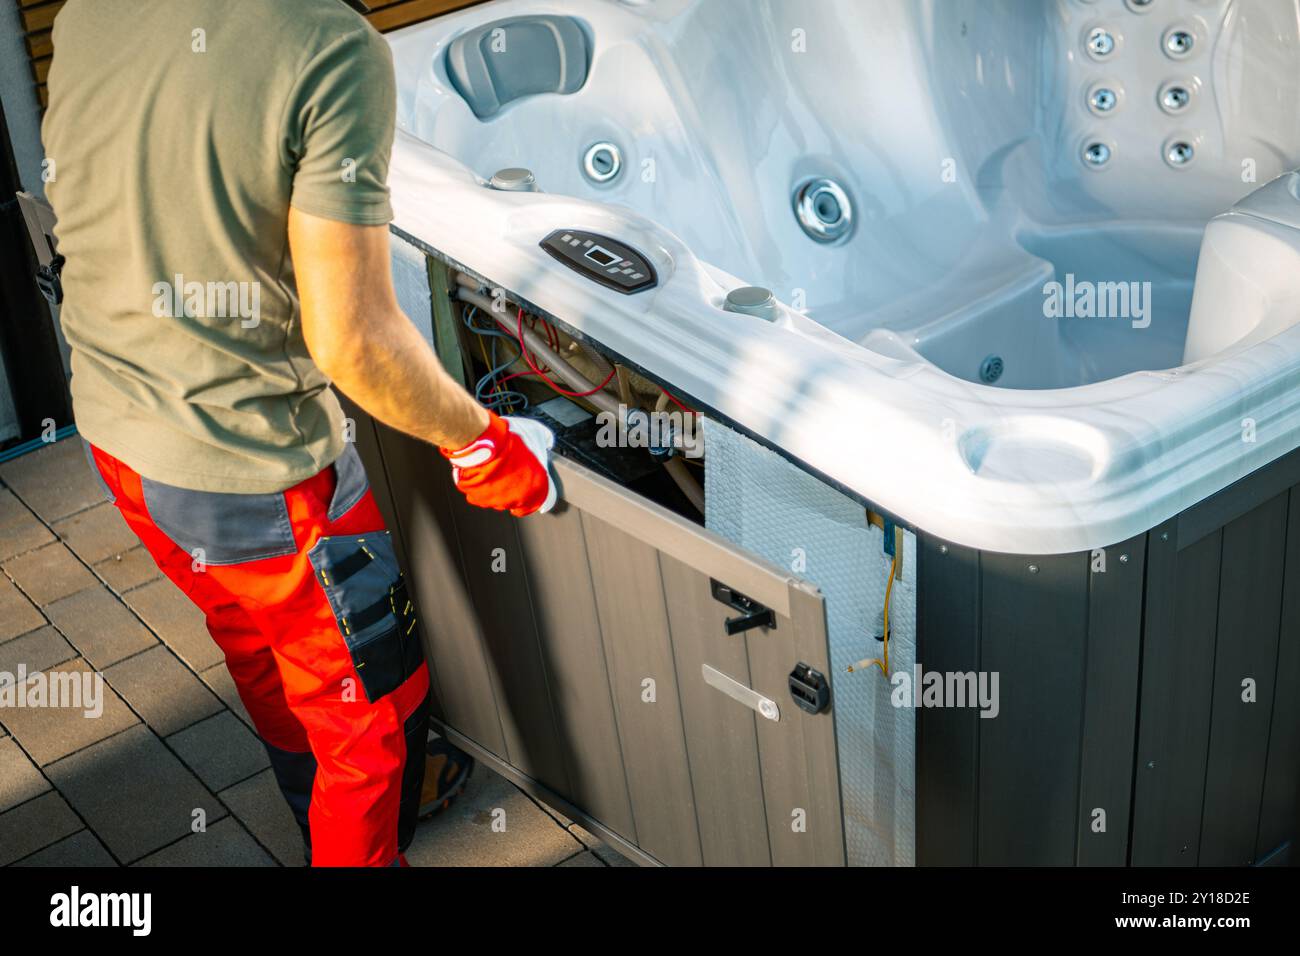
371,605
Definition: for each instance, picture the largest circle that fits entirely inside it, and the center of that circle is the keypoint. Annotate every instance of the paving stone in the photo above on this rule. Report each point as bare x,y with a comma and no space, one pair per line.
81,849
555,814
55,481
128,570
585,858
463,835
49,573
258,804
611,857
97,533
100,626
18,615
37,651
162,690
20,530
603,851
221,750
20,781
33,825
50,733
133,793
225,843
223,685
179,623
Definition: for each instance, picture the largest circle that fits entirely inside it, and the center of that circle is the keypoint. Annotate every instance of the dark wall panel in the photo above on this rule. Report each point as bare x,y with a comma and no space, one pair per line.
1034,619
1177,678
947,739
1279,812
1110,703
1250,598
1145,719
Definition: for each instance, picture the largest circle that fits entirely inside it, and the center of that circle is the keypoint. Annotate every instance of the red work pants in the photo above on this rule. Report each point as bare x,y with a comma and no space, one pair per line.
302,593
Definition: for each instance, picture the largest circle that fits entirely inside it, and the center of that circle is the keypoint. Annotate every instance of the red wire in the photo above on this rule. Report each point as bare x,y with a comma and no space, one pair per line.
685,408
519,331
523,352
552,338
516,375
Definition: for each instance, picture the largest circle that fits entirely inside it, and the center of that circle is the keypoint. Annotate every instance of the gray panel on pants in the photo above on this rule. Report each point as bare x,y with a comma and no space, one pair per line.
230,529
94,470
350,483
233,528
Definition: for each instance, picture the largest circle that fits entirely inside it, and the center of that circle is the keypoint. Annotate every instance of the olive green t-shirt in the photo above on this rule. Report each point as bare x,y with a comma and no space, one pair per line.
178,134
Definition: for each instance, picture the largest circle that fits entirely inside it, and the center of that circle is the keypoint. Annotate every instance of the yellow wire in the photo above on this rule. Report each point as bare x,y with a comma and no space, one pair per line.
889,587
883,661
483,348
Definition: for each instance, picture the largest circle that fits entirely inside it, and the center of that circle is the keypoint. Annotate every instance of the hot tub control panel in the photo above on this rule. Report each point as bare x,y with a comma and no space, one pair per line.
602,259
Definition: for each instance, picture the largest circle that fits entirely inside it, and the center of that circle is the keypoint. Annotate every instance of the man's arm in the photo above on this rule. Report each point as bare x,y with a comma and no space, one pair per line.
359,337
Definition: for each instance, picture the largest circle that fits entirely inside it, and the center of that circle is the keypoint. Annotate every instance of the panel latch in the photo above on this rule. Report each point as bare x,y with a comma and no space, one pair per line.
48,281
809,688
752,614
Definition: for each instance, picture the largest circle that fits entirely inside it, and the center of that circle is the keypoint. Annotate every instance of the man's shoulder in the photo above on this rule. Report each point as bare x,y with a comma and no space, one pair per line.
295,26
307,29
314,23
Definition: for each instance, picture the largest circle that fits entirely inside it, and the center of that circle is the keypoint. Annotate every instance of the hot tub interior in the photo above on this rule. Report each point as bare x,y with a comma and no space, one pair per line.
1014,191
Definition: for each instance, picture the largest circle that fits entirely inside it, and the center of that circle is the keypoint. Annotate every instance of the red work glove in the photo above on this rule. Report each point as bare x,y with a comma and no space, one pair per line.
506,467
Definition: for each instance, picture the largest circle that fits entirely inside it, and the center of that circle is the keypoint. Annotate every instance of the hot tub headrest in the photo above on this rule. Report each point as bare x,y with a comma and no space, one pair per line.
493,64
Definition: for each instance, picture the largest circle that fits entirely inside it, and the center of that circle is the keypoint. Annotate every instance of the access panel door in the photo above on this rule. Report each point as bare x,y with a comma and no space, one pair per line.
586,649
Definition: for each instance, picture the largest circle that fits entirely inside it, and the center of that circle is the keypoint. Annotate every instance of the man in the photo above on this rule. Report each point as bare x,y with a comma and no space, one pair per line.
219,181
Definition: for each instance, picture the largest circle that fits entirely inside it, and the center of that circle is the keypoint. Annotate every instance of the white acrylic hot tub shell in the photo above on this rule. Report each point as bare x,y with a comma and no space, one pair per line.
1030,471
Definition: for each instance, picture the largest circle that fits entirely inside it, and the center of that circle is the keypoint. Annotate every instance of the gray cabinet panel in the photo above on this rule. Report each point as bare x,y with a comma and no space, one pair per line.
1110,703
449,621
638,649
721,739
800,767
1249,606
1279,812
496,574
1177,678
1034,635
564,602
947,738
543,630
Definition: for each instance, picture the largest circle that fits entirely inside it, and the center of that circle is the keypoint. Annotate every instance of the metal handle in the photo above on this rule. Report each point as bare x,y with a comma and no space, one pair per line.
738,691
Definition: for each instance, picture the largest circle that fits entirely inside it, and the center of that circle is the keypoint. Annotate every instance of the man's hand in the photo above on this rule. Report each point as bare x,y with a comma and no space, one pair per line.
507,467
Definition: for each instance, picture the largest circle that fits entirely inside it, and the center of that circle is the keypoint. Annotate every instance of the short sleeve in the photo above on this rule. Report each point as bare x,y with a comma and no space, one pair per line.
338,135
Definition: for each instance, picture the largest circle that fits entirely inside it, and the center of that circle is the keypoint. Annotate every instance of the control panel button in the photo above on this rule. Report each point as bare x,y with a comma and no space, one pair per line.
602,259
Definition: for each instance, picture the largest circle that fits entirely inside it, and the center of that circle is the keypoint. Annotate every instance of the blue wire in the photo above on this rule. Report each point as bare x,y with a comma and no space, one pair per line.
505,398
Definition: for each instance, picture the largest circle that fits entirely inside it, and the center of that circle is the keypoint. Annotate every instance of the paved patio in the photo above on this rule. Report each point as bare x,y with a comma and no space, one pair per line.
78,593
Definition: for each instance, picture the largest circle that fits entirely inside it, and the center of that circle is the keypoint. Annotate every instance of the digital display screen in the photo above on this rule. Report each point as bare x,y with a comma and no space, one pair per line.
601,256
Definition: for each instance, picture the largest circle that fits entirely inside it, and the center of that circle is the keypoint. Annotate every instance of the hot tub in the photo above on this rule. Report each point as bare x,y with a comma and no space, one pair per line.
1035,281
961,135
